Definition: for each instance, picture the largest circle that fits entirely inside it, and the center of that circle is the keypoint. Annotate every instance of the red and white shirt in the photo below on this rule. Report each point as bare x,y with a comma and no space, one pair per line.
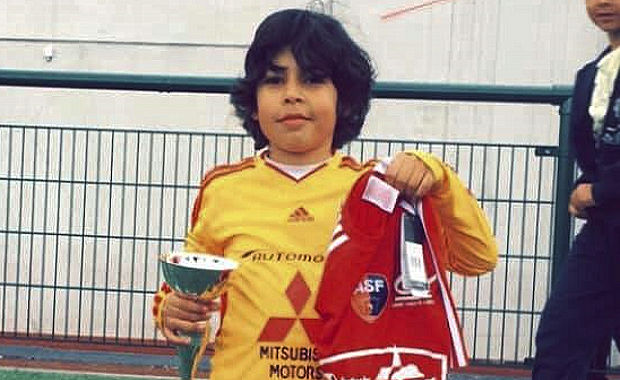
385,305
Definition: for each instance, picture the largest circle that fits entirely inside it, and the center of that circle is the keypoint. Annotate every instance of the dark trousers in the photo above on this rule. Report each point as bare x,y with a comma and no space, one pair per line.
583,309
601,357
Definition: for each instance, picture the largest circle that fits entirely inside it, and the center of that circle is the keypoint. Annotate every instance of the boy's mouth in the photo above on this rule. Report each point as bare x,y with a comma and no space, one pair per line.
293,117
293,120
605,16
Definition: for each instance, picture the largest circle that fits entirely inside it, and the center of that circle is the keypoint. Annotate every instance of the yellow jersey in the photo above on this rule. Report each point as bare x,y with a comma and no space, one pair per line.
278,229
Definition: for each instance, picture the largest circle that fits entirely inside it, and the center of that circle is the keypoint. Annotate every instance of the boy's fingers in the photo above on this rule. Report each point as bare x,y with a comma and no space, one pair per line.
213,306
407,180
401,171
196,299
193,298
572,210
390,172
174,312
410,176
408,190
175,339
183,321
187,297
425,185
420,181
186,304
580,214
187,327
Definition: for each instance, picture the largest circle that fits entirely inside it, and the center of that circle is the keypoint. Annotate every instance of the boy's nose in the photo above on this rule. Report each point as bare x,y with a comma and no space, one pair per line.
292,93
292,99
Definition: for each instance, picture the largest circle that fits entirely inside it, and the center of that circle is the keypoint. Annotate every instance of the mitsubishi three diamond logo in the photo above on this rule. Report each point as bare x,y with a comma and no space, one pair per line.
277,328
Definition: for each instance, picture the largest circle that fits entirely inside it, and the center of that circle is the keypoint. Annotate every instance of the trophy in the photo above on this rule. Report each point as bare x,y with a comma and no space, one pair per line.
195,274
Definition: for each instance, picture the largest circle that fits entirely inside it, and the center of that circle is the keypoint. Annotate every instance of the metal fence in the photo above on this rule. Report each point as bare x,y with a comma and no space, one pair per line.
85,212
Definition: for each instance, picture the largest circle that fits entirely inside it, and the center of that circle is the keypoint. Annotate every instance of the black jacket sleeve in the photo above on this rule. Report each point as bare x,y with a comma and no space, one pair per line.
606,191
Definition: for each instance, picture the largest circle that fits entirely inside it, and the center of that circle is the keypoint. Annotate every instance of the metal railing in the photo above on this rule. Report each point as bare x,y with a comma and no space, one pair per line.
86,211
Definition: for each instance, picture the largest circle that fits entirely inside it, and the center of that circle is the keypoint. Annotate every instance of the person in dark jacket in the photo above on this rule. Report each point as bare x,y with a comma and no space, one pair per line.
584,307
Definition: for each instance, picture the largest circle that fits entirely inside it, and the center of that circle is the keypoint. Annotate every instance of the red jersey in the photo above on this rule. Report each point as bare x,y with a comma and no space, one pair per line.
385,306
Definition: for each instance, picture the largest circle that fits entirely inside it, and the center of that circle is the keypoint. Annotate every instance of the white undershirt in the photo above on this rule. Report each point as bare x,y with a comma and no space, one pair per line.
603,87
299,171
295,171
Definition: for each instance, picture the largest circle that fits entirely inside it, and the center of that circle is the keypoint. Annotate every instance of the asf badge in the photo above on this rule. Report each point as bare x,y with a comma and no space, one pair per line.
370,297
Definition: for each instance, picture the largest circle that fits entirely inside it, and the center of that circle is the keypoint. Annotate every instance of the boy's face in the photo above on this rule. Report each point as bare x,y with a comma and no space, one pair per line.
296,111
605,14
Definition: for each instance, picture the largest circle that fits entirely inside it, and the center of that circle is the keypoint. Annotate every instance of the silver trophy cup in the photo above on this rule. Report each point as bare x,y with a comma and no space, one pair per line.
195,274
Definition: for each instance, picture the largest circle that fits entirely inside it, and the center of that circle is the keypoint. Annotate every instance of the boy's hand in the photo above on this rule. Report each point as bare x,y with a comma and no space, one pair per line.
580,200
185,314
410,176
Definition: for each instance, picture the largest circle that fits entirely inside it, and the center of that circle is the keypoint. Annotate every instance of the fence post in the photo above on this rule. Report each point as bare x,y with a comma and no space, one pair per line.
564,184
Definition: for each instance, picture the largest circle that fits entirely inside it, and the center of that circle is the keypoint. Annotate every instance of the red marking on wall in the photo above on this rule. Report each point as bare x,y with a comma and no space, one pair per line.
411,9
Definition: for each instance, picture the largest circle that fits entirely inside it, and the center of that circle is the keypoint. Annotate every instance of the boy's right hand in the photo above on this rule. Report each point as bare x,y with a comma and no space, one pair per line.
580,199
184,314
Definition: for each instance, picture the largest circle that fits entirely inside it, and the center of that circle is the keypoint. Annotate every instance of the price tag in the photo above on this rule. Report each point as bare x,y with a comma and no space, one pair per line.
412,265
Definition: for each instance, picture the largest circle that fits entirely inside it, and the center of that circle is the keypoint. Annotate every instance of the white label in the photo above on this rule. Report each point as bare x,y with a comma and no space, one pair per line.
414,273
380,194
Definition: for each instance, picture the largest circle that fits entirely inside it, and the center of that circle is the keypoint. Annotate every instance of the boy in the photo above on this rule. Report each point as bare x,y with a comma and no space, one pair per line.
305,94
584,307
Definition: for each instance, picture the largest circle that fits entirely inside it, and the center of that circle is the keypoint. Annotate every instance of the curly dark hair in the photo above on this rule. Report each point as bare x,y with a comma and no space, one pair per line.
318,42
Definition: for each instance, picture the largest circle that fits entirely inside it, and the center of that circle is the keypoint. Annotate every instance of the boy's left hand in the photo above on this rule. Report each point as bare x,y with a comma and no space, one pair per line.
410,176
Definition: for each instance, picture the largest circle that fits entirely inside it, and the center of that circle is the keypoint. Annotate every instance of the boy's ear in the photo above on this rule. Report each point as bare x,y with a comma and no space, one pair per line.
254,116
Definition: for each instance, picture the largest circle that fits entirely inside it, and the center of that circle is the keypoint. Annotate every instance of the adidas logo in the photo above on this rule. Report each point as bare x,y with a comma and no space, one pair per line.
300,215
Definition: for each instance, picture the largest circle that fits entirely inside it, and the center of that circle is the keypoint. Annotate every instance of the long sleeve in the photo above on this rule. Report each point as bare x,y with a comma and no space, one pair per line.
606,191
470,247
197,240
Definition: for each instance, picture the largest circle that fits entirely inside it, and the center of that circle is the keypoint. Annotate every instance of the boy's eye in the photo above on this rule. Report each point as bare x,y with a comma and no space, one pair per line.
272,79
315,78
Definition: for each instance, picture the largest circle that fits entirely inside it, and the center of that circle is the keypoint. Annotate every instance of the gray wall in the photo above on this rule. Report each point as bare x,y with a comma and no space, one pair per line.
522,42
